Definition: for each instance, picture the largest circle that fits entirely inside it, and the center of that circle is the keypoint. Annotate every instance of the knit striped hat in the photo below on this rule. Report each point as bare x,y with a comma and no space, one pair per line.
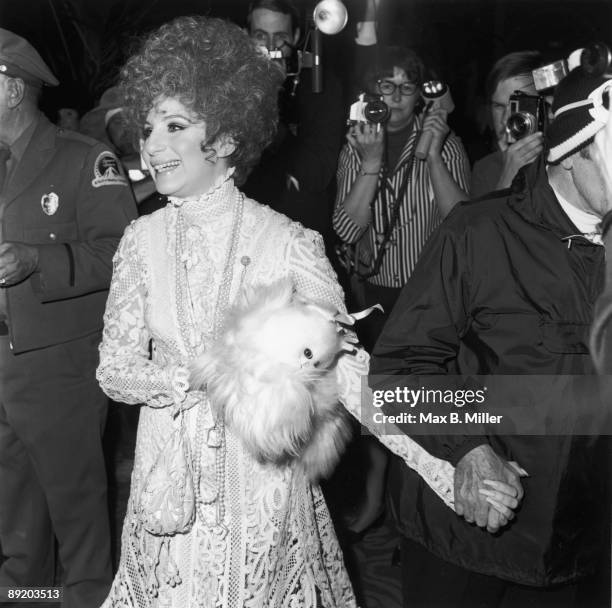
577,114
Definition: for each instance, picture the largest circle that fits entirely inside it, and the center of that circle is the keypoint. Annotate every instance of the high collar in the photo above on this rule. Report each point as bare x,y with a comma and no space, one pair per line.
217,201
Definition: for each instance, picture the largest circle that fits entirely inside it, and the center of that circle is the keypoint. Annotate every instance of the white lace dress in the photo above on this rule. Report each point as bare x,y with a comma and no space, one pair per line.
280,549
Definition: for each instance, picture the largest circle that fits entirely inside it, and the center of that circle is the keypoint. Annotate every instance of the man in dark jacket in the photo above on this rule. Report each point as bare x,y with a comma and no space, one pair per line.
601,331
64,203
507,286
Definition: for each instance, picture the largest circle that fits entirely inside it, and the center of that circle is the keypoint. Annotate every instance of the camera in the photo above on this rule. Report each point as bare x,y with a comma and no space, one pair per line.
528,114
292,63
368,108
595,59
436,94
549,76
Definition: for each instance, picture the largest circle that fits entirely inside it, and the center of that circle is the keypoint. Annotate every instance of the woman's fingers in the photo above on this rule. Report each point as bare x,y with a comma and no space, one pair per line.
506,513
519,469
501,486
500,497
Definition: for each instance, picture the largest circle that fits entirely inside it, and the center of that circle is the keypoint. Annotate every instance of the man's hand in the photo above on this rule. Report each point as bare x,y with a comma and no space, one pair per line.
368,139
482,469
518,154
17,262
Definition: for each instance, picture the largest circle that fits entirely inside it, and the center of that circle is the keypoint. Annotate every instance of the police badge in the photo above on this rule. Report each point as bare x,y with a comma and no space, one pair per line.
49,203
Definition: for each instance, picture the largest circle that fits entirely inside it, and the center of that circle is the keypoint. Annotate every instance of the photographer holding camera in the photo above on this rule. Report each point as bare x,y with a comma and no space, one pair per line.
295,175
511,73
389,201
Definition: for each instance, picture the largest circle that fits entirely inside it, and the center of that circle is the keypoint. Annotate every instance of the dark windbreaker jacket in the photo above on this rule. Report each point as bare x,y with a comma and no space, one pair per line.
505,286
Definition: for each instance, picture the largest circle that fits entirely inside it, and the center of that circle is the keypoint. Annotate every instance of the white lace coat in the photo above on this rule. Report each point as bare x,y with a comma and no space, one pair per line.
281,550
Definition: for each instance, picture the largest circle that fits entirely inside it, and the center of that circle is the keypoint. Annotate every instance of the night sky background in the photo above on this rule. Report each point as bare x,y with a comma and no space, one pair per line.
85,41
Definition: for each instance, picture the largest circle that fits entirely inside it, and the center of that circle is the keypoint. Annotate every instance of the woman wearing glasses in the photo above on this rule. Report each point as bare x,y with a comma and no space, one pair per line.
388,202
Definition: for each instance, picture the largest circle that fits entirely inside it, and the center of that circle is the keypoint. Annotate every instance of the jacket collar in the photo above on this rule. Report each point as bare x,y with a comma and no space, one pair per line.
532,197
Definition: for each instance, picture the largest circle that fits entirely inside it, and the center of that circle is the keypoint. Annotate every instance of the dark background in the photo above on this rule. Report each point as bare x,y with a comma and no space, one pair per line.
85,41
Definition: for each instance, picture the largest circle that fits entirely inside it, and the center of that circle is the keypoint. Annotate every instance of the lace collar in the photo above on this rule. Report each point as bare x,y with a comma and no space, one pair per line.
216,201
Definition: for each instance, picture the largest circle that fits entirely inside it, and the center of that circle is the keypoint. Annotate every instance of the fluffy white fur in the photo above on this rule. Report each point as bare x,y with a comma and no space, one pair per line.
272,376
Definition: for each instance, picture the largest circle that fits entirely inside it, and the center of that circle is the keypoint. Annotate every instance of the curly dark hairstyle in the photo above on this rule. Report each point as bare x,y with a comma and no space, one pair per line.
213,68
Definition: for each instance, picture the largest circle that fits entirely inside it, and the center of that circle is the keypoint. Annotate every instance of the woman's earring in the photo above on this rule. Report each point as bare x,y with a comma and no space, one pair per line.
210,154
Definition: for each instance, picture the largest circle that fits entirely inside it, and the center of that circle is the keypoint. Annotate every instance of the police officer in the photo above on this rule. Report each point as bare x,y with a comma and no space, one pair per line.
64,203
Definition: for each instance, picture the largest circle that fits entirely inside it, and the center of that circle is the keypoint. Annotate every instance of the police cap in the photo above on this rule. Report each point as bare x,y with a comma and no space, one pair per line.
19,59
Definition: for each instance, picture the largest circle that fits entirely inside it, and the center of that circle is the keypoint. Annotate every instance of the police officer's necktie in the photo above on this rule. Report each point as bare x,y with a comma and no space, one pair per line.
5,154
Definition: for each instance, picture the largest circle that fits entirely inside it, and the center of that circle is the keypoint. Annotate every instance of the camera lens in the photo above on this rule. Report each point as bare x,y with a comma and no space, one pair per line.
521,124
376,111
596,60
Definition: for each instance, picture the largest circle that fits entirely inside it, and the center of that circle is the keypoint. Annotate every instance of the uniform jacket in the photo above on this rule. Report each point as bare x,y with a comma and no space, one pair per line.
88,203
505,287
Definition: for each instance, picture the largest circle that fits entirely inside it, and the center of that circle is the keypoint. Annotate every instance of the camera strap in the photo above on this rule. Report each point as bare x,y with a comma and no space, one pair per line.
391,222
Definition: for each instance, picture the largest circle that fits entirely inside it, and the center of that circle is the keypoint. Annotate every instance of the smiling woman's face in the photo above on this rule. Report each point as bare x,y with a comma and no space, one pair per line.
170,147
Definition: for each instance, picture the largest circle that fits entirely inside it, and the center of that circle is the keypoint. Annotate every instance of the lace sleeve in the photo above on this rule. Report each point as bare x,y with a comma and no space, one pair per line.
125,372
314,278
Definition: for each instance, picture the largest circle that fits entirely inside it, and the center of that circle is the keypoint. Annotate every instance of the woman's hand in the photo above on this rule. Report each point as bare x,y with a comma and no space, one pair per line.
483,467
435,123
518,154
504,499
369,141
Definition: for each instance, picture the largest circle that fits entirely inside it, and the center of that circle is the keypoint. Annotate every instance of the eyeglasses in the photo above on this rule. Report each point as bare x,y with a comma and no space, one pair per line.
386,87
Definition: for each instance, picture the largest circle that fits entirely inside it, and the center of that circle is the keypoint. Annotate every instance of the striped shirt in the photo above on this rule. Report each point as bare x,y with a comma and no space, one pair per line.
418,213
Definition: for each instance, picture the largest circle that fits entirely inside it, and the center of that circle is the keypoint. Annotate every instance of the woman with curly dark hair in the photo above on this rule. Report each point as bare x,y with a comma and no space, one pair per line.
207,523
212,521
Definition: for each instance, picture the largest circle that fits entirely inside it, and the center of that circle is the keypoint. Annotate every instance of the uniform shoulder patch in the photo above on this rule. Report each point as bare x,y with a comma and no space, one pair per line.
108,171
